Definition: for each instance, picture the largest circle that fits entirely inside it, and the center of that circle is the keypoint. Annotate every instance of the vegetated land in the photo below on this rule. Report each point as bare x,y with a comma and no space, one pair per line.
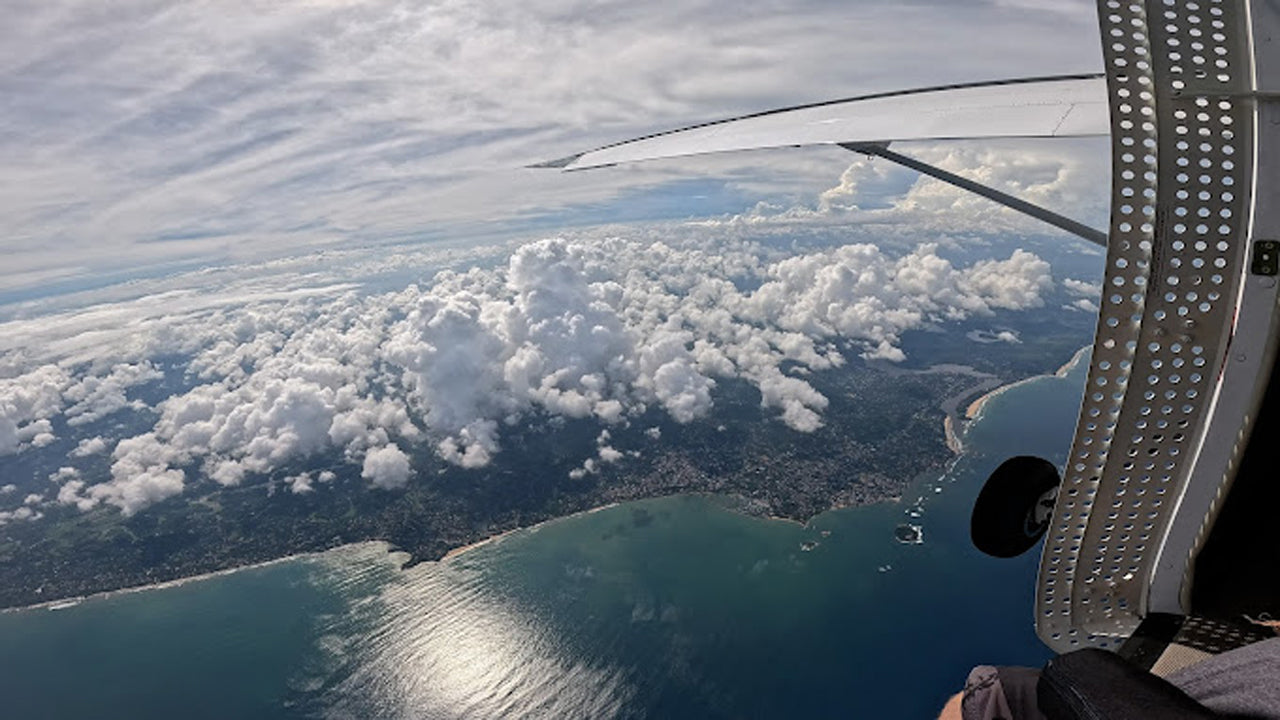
884,427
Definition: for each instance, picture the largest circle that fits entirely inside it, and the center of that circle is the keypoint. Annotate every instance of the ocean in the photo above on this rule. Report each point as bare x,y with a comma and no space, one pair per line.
668,608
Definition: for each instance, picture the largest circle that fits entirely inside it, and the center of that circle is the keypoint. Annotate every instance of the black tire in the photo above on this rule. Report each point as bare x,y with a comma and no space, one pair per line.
1003,521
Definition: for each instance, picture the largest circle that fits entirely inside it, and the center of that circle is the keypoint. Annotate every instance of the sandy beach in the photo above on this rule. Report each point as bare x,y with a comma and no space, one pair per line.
494,538
975,408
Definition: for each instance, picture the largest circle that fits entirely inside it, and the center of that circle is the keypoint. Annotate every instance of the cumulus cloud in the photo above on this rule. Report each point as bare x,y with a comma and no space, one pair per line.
1085,305
22,513
300,484
90,446
1081,287
386,468
72,493
27,402
597,327
64,474
95,396
37,433
1066,176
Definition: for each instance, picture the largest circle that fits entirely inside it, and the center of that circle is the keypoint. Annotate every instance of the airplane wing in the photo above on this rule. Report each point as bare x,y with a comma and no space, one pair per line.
1062,106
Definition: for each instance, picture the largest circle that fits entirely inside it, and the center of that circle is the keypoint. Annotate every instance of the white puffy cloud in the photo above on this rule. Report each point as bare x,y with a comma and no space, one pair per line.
387,467
90,446
95,397
1066,176
141,474
1082,287
22,513
141,490
27,402
1084,304
64,474
72,493
994,336
37,433
596,326
300,484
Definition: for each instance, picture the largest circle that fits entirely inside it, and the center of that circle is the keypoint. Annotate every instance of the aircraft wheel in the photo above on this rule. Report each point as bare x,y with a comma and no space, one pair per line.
1013,509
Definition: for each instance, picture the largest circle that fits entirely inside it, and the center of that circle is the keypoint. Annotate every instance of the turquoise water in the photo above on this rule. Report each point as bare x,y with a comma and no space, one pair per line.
664,608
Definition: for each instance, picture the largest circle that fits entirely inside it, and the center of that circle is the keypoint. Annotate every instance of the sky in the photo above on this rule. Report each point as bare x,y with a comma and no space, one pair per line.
163,133
323,207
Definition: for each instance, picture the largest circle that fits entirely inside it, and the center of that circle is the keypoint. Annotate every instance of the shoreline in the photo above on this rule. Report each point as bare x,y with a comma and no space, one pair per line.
954,443
954,424
1070,364
463,549
976,407
64,603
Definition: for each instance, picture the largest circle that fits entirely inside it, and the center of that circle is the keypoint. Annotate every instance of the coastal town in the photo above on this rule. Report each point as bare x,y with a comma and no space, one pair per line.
884,429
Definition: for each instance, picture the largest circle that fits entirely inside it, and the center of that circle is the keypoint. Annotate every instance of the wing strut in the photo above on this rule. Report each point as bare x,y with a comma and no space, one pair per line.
1097,237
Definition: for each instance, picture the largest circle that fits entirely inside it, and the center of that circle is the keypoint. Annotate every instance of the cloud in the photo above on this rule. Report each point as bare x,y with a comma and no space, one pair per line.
598,326
176,131
300,484
1081,287
27,401
90,446
386,468
141,474
1063,175
95,397
255,177
21,513
1085,304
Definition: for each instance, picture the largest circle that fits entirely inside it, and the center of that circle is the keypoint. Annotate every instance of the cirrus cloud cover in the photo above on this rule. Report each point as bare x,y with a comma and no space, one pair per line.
163,133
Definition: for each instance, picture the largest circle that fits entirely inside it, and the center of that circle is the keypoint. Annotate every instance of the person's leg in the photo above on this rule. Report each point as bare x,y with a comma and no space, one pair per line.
951,711
990,693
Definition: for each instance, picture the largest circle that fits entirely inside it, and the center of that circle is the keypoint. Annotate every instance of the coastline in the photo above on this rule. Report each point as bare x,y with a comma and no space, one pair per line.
479,543
953,438
1075,359
463,549
976,407
955,424
63,603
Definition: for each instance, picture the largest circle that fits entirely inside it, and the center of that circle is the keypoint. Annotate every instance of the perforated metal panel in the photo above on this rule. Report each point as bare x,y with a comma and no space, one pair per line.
1180,84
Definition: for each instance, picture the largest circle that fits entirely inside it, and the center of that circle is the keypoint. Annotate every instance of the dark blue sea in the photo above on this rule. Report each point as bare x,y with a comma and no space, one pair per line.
671,608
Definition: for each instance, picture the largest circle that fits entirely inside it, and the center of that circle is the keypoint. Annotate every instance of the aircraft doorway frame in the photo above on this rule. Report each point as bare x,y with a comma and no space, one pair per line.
1186,336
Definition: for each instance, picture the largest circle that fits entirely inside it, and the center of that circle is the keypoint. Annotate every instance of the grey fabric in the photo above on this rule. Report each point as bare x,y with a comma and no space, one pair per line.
1245,681
1005,693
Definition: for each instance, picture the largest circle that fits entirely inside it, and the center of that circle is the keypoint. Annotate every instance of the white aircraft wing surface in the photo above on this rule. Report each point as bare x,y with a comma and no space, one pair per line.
1065,106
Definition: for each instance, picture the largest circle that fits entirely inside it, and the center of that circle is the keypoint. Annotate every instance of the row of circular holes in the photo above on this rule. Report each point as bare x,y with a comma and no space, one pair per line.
1148,127
1197,262
1197,46
1128,157
1183,146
